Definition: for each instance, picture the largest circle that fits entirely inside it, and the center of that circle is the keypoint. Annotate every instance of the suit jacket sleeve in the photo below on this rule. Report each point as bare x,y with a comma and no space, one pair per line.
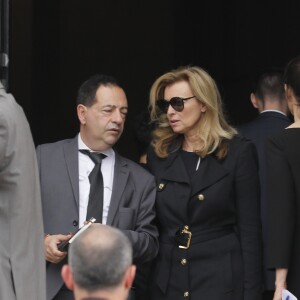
144,237
249,225
21,238
3,138
281,205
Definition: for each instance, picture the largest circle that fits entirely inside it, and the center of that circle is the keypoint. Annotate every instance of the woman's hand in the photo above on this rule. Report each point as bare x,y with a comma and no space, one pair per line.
278,293
280,283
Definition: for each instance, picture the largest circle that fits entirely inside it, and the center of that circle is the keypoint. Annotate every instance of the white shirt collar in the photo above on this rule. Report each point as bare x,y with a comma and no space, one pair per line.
81,145
273,110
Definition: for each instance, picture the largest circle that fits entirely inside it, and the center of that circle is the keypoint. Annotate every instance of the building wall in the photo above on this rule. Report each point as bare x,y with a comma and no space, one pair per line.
56,45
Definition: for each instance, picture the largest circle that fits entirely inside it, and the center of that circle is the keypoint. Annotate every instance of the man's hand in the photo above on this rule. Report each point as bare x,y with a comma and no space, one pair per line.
52,254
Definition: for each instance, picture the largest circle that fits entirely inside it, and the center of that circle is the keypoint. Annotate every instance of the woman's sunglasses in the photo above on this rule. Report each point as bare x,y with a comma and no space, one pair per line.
176,102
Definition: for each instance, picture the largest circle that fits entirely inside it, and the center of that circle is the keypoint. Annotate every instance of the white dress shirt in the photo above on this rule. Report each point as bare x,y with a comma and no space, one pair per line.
86,166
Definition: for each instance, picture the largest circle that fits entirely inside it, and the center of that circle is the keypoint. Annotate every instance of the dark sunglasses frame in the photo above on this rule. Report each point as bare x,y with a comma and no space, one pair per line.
176,102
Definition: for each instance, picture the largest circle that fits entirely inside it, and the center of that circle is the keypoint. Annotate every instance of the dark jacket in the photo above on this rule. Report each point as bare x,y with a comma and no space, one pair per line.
220,205
283,170
258,131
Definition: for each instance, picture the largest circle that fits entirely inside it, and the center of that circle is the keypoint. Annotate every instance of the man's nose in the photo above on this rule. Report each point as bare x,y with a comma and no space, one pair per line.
118,117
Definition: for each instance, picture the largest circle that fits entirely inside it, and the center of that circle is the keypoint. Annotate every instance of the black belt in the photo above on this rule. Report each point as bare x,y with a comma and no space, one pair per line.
185,237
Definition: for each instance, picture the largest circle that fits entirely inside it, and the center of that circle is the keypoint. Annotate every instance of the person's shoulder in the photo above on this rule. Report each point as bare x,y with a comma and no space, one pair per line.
281,140
157,163
135,168
54,145
9,108
150,152
249,126
239,145
285,136
240,141
276,118
241,149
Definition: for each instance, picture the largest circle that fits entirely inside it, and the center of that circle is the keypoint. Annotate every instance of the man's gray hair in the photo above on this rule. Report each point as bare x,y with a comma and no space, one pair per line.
99,257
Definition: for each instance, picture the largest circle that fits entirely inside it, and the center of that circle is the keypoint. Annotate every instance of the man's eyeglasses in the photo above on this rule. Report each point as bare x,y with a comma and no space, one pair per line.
176,102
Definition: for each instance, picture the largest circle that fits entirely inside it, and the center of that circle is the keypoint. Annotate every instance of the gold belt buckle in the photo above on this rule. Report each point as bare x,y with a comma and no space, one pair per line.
185,230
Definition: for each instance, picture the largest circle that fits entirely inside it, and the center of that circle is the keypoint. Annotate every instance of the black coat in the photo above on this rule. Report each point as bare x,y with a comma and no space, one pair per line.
283,170
258,131
220,205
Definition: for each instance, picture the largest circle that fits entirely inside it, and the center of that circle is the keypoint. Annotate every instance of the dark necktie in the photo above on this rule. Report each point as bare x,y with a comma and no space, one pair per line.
95,205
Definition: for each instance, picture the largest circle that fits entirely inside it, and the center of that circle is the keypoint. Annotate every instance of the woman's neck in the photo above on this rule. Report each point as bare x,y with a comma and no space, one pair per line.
191,143
296,111
296,124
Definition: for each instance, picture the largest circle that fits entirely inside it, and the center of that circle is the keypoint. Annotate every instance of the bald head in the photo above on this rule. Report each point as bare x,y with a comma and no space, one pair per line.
99,257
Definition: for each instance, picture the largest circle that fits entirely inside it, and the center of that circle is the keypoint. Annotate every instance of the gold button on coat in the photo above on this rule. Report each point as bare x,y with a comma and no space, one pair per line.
185,294
201,197
161,186
183,261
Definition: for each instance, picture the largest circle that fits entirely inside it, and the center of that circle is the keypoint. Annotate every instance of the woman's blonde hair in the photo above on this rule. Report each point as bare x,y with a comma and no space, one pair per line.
213,128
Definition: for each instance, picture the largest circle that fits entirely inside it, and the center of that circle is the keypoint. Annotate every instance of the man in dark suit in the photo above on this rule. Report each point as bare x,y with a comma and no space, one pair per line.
269,99
128,189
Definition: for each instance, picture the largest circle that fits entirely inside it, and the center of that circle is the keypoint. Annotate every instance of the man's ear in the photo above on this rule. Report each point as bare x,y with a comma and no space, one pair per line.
81,113
288,92
254,100
67,276
129,276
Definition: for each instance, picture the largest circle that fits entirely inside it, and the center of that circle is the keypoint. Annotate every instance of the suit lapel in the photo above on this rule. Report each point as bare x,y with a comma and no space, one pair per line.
210,171
71,158
175,169
121,174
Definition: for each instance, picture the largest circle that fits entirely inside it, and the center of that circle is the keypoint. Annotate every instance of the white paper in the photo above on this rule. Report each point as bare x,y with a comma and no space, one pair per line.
82,229
286,295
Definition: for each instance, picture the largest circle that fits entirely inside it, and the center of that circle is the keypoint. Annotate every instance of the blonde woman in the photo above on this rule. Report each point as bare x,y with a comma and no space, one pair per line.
207,194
